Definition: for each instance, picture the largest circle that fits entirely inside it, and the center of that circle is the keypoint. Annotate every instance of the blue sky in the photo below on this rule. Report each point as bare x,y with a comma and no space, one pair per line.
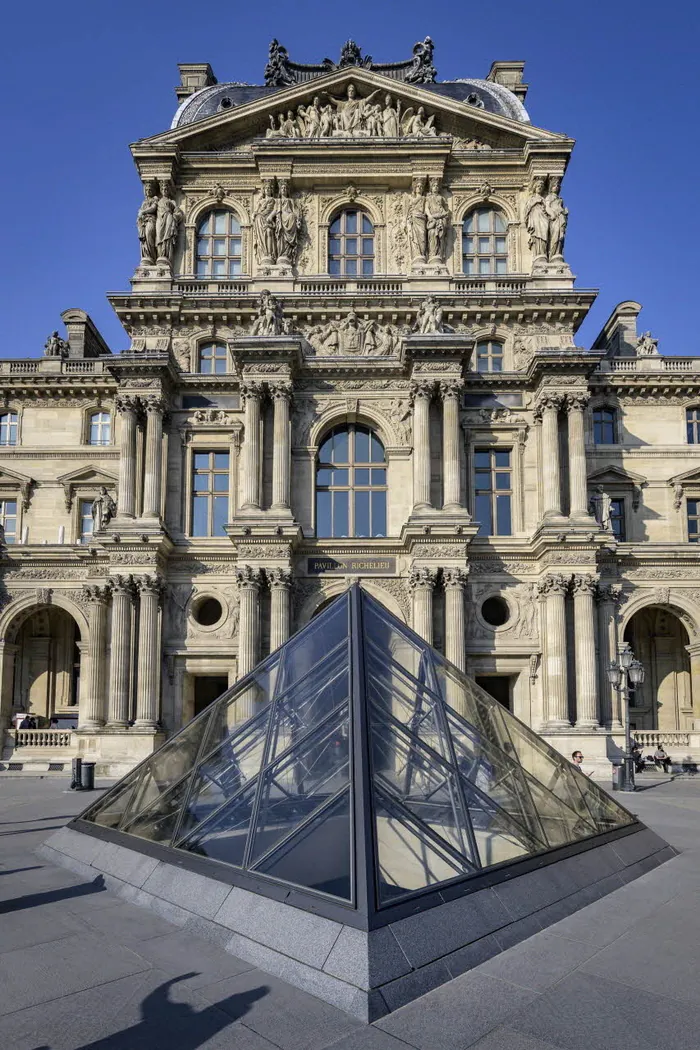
83,78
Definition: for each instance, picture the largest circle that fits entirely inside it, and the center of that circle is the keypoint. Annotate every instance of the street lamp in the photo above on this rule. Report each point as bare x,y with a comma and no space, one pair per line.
620,674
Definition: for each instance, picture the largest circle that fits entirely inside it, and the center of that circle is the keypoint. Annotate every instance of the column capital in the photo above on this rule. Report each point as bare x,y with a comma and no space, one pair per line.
450,388
154,405
455,578
550,401
251,391
127,403
122,585
583,583
281,391
554,583
576,401
422,579
279,579
96,595
608,592
154,585
421,389
247,576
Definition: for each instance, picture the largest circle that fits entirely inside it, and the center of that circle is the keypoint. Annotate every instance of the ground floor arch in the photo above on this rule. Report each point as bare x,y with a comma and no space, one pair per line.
660,640
45,675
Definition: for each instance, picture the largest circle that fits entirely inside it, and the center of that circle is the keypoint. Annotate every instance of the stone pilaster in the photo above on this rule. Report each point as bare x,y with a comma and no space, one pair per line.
128,408
280,581
584,588
422,583
150,590
450,391
578,486
554,588
152,479
281,452
123,591
91,714
608,598
455,581
547,413
252,394
421,395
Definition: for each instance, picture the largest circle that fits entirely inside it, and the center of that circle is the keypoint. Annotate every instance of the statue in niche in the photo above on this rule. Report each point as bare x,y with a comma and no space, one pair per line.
269,320
400,415
265,226
146,224
429,317
168,220
601,508
647,346
277,71
103,510
527,625
416,221
287,226
558,217
422,70
55,346
537,220
437,216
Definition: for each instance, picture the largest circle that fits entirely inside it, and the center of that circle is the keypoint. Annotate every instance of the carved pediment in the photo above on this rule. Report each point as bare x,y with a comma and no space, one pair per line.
688,477
11,480
88,477
614,475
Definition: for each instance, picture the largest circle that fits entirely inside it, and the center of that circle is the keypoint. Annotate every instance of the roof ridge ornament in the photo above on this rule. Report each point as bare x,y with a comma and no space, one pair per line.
280,71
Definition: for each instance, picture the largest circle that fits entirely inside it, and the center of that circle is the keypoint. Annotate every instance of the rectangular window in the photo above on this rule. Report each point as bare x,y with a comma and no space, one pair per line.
210,486
604,426
8,519
493,491
617,519
694,520
86,522
692,423
8,428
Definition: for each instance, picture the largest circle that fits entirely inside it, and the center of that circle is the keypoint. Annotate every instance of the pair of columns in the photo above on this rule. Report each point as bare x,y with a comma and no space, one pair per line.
547,413
422,393
251,496
132,410
250,581
124,592
422,582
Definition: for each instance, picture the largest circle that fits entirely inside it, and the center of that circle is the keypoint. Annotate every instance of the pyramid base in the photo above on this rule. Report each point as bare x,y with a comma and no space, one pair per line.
367,973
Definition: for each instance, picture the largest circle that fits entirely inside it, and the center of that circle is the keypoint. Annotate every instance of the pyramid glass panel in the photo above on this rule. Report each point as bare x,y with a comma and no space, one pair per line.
356,763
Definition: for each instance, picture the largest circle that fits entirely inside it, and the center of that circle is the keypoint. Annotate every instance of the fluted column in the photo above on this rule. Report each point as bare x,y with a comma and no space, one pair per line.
452,495
280,581
122,588
148,678
578,482
281,452
249,581
584,587
421,394
252,393
422,583
555,588
454,581
153,468
608,598
91,714
128,408
547,412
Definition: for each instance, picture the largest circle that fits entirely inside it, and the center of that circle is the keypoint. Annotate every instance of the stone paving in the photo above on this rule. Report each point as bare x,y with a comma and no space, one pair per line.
82,970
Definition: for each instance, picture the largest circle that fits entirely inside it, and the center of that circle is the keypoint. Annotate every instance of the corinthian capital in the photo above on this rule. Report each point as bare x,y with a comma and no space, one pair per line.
421,389
609,593
151,585
455,578
251,389
154,405
247,576
96,595
451,388
279,579
583,583
127,403
281,391
576,401
554,583
122,585
422,578
548,401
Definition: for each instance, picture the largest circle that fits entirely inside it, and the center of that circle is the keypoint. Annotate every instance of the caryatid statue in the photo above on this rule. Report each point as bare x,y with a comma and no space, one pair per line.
146,223
537,220
287,226
417,222
265,225
103,510
558,217
437,215
168,220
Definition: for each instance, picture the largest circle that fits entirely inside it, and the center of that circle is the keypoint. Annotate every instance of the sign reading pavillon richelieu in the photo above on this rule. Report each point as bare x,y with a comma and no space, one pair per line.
343,566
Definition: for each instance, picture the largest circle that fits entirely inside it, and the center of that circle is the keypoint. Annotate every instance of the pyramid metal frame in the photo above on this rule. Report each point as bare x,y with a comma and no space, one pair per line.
595,817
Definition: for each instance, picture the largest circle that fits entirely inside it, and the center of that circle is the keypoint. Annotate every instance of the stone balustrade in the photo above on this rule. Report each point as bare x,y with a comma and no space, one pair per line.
668,737
43,737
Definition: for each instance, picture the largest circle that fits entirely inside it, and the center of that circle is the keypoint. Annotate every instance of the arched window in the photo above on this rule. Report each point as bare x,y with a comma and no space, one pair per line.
692,424
351,484
489,356
8,428
213,359
100,429
604,426
484,245
219,245
351,244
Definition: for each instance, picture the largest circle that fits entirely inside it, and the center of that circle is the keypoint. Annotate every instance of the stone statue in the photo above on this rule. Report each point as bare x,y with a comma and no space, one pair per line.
527,625
265,225
168,220
537,220
269,320
103,510
391,128
429,317
417,125
352,117
646,346
146,224
350,111
416,221
277,71
558,217
422,70
55,346
351,55
601,508
287,226
438,215
400,415
310,119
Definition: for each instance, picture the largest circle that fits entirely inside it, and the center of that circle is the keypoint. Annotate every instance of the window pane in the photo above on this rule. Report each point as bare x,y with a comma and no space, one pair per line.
362,476
206,225
200,482
351,245
233,223
362,513
498,222
323,514
502,481
497,364
361,445
469,223
219,246
482,459
220,222
468,245
469,266
334,246
334,266
221,483
351,222
500,245
483,220
484,266
367,225
340,446
379,477
202,268
219,366
221,460
220,515
377,450
379,513
351,267
484,245
482,364
482,481
367,245
503,524
335,226
219,267
502,458
501,266
199,515
367,267
341,525
323,476
201,460
340,477
482,513
203,246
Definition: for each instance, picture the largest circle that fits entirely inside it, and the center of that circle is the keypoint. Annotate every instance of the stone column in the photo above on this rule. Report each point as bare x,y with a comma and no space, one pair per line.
8,654
578,482
451,473
128,408
281,452
584,588
280,581
122,588
91,714
153,467
252,393
608,598
249,581
422,583
555,588
421,394
455,581
148,667
547,411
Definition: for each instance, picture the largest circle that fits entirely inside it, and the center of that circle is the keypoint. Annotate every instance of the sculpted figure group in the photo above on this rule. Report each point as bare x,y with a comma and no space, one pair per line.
352,117
277,225
546,219
352,337
158,223
427,221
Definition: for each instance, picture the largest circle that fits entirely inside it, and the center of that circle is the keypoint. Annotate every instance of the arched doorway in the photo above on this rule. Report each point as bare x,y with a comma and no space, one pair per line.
665,699
47,666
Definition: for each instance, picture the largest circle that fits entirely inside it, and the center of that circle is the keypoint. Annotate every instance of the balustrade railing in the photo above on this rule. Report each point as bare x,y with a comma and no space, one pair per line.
654,737
43,737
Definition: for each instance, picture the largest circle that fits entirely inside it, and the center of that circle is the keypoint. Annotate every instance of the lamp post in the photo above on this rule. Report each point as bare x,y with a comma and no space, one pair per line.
627,669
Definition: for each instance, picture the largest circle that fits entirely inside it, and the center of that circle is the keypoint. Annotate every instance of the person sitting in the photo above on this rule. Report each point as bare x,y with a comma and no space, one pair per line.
639,764
661,759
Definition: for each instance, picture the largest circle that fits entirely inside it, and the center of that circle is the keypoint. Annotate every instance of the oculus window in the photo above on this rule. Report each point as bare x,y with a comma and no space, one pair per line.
213,359
489,356
692,425
605,426
100,428
351,484
219,245
210,484
351,244
484,243
8,428
493,491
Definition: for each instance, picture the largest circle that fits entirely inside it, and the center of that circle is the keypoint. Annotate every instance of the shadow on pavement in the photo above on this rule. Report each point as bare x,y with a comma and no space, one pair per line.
16,871
33,900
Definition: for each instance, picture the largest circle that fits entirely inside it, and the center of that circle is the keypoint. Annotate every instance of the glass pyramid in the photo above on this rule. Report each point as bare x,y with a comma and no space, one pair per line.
356,763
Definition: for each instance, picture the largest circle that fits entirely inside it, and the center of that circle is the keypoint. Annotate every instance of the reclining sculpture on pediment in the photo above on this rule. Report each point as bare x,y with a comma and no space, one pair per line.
352,117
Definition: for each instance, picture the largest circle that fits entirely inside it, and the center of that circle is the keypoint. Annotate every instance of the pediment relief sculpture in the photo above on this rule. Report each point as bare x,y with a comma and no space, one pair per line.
352,116
353,337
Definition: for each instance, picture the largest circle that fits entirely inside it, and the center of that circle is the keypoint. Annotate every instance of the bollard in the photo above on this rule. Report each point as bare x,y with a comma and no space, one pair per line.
75,771
87,776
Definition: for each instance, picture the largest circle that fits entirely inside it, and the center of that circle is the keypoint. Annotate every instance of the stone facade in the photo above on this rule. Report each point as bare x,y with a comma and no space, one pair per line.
365,250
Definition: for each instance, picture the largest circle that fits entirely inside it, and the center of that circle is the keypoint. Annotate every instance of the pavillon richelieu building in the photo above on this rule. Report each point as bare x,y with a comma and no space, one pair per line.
352,356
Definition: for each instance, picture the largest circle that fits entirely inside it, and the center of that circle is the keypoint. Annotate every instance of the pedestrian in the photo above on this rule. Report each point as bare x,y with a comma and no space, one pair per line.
577,759
53,724
661,759
25,723
32,722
